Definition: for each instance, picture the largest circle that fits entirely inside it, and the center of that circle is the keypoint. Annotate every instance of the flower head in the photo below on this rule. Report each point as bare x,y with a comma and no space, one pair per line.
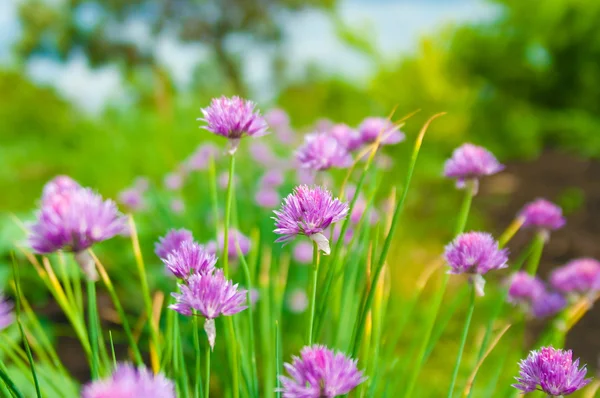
59,185
132,198
321,151
199,160
262,154
469,162
551,371
6,313
348,137
548,304
524,288
309,211
373,127
297,301
174,181
303,252
272,179
128,381
74,220
542,214
188,259
475,253
267,198
211,295
235,238
577,276
233,118
171,242
320,372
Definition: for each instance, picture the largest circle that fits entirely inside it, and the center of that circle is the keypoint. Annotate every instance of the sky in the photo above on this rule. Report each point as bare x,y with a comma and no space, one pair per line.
395,26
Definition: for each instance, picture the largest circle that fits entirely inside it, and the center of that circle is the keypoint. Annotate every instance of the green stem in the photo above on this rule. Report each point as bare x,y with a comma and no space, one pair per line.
313,298
198,357
228,201
463,340
92,308
250,312
437,299
536,253
207,376
9,383
390,235
277,358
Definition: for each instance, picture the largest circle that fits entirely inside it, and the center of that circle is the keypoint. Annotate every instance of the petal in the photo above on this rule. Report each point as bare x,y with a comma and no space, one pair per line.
211,332
322,242
87,264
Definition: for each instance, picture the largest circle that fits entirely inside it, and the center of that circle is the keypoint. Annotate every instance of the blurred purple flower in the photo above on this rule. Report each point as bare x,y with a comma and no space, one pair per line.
542,214
321,151
174,181
233,118
254,296
59,185
199,160
524,288
235,237
577,276
323,124
548,304
171,242
132,198
127,381
320,373
177,205
141,184
188,259
272,179
373,127
211,295
223,180
303,252
309,211
348,137
74,220
470,162
475,253
305,177
551,371
6,312
277,118
297,301
267,198
262,154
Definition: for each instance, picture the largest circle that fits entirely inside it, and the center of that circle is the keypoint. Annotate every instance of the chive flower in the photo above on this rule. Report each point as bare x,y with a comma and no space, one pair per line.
321,151
348,137
267,198
209,295
577,277
128,381
235,237
543,215
74,220
552,371
171,242
188,259
59,185
309,211
469,163
548,304
373,127
200,158
233,118
6,312
524,288
320,372
475,253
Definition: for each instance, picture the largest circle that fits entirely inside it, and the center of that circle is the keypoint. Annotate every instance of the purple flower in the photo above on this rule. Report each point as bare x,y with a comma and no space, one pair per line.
233,118
59,185
321,151
469,162
542,214
267,198
189,258
223,179
74,220
6,313
211,295
475,253
548,304
171,242
297,301
577,276
348,137
173,181
272,179
373,127
277,118
524,288
262,154
551,371
177,205
141,184
235,237
320,372
309,211
127,381
132,198
199,160
303,252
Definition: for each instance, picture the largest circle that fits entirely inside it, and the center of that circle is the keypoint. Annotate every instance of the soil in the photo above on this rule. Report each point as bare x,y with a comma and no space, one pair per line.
566,179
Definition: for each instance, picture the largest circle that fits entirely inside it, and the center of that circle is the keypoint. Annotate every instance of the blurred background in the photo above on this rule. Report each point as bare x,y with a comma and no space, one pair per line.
109,90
